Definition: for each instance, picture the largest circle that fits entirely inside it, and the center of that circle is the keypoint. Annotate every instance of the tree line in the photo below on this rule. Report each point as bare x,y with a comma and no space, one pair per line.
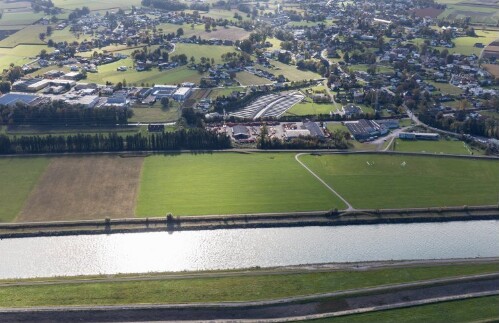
62,113
191,139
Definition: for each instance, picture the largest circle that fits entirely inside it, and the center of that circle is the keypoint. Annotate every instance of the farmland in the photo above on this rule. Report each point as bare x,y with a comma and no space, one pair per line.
84,188
380,181
88,187
433,147
229,183
19,176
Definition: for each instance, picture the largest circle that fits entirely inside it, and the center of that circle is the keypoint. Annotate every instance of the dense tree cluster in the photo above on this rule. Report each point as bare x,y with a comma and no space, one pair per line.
61,113
184,139
170,5
77,13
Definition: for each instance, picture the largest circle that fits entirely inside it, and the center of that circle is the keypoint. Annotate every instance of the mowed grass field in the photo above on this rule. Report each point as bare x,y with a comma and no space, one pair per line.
225,183
18,177
408,181
433,147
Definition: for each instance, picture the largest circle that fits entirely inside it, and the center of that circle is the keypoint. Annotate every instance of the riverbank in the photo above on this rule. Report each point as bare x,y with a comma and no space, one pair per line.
279,290
246,221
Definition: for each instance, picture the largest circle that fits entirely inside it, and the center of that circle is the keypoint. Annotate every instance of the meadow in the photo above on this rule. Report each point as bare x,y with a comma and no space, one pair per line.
385,181
433,147
229,183
19,176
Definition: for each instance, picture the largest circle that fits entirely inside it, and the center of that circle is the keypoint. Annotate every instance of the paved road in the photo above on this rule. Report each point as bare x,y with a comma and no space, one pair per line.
361,300
349,206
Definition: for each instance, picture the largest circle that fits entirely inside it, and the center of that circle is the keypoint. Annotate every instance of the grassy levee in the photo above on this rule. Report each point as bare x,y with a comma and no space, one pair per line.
229,183
483,309
18,177
372,181
215,287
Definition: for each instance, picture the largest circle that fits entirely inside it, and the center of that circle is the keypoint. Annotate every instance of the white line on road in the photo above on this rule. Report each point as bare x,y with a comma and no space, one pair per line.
349,206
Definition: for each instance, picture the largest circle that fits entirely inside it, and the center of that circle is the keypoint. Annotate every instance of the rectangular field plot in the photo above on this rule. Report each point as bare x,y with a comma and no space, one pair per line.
18,177
434,147
85,187
229,183
387,181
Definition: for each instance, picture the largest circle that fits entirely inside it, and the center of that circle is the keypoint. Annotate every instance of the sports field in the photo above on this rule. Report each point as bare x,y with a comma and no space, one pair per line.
225,183
385,181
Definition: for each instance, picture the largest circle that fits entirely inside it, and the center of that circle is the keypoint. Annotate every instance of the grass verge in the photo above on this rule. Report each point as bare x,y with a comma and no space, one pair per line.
244,287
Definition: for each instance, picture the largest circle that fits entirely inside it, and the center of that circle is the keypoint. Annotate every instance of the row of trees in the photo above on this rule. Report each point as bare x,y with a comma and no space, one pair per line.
170,5
61,113
183,139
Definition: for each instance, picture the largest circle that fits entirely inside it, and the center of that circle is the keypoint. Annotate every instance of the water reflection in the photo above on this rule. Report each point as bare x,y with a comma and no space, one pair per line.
224,249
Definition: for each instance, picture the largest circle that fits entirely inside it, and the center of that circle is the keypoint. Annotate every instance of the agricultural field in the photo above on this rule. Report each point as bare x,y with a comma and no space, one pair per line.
381,181
81,188
19,176
20,54
228,183
96,5
109,73
198,51
25,18
308,107
94,187
27,35
154,114
290,72
434,147
246,78
492,69
480,12
229,33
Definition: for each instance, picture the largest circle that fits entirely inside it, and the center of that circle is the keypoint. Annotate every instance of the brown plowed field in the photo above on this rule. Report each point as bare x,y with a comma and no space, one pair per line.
79,188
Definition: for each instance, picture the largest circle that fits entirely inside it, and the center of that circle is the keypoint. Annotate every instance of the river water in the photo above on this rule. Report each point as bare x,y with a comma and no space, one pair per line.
244,248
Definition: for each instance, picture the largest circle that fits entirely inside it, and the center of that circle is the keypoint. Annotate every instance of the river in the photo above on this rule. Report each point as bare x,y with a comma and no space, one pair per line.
243,248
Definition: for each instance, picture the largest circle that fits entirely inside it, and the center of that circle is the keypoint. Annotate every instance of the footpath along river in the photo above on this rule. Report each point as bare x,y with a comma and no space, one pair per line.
244,248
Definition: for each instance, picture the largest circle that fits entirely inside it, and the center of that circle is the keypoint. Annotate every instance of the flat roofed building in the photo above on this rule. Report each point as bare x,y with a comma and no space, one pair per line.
181,94
419,136
12,98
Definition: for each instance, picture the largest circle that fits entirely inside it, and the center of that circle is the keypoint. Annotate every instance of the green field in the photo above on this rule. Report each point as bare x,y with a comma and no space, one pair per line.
27,35
20,18
229,183
290,72
154,114
408,181
434,147
246,78
308,107
96,4
484,309
19,176
210,288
